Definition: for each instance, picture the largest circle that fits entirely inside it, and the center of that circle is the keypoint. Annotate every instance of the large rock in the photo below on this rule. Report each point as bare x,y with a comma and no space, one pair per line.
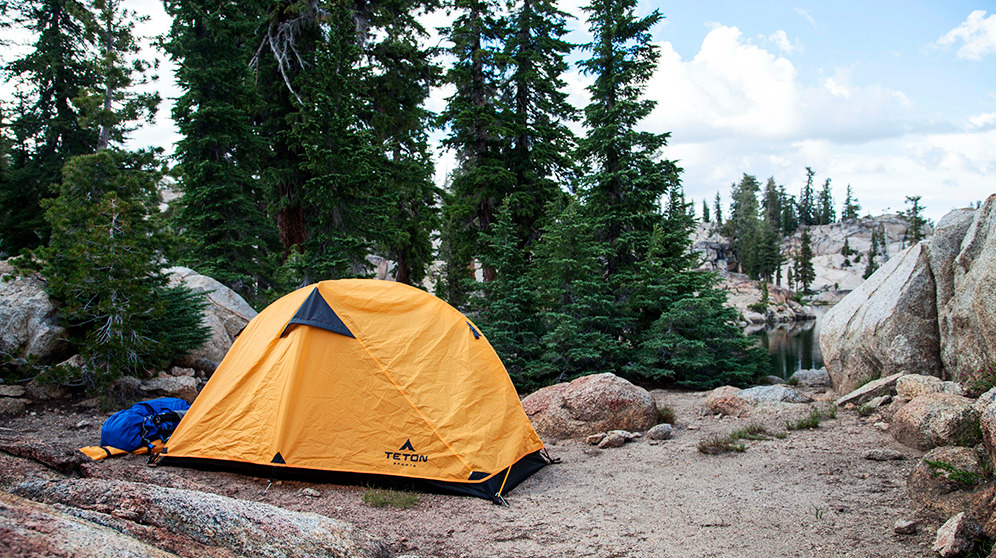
935,483
871,390
226,313
887,325
31,529
725,400
945,246
936,419
760,395
246,528
811,378
29,321
968,319
182,387
588,405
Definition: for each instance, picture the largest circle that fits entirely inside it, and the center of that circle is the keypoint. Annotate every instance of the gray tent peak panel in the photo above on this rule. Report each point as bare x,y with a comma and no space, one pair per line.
316,312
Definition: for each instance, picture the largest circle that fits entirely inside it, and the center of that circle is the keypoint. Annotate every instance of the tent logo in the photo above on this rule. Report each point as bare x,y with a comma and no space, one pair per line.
405,459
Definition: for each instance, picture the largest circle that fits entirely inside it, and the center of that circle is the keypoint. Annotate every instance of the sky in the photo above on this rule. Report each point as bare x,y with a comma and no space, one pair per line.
893,98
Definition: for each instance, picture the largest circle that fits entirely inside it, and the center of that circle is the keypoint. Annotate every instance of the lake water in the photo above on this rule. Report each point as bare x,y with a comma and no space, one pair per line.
793,346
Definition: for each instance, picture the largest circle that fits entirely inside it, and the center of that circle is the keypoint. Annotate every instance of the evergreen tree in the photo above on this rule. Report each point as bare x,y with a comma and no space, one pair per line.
539,144
398,85
705,211
914,216
804,273
851,206
228,235
577,309
718,210
510,312
772,204
46,131
476,130
807,201
105,256
825,211
789,216
743,226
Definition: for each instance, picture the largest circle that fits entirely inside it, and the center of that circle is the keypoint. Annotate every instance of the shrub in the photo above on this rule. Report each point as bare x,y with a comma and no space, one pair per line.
808,423
666,415
752,431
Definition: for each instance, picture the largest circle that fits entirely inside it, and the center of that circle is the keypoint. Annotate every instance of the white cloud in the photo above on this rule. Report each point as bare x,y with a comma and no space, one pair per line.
781,40
977,33
985,120
805,14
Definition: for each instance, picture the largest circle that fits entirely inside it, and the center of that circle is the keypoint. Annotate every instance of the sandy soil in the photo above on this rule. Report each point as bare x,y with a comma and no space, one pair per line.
811,493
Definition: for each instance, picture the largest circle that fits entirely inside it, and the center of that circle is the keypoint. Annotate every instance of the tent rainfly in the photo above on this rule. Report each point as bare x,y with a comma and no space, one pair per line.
369,377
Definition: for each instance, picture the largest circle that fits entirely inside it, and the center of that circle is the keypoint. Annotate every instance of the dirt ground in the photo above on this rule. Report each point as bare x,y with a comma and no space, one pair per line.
811,493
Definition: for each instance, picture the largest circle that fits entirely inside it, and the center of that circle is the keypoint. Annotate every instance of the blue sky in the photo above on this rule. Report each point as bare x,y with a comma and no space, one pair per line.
893,98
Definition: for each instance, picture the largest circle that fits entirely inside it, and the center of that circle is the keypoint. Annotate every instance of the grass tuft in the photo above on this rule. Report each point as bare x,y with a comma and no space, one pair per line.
383,497
715,445
810,422
752,431
666,415
954,473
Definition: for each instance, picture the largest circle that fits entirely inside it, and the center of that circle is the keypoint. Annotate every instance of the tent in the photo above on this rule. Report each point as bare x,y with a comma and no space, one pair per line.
364,376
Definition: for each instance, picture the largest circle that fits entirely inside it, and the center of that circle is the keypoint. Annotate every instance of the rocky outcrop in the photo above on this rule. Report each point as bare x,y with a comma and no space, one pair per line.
968,318
31,529
588,405
245,528
929,310
987,424
29,321
871,390
226,313
887,325
936,419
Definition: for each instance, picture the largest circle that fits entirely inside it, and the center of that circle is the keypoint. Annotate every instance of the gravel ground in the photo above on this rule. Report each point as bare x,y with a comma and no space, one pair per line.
809,493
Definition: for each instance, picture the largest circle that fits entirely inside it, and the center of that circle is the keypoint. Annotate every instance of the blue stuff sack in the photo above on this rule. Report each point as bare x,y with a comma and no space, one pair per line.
140,424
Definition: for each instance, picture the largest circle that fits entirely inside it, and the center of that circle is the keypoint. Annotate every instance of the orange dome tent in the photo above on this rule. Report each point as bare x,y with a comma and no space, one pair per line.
364,376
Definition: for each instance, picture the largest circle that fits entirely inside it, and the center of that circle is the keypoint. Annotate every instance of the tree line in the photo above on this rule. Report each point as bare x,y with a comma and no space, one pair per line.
305,150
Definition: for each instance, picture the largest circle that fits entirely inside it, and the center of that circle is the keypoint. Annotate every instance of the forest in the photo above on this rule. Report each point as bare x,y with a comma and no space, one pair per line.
305,150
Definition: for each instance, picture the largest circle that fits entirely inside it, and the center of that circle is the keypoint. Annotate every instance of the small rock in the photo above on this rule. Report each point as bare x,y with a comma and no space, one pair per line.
884,455
811,378
91,403
44,392
877,402
311,493
12,391
11,407
660,432
725,401
183,387
82,424
905,527
915,385
956,537
178,371
595,439
694,427
883,426
772,394
612,440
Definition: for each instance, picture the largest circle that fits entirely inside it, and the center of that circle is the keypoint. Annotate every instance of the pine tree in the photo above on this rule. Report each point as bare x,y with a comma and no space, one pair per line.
398,84
772,204
705,211
718,211
476,129
789,217
851,206
805,274
539,144
914,216
743,226
807,201
228,235
510,311
105,256
825,211
46,131
577,305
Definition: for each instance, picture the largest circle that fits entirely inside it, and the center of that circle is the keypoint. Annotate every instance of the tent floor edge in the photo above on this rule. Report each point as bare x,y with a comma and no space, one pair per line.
520,471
